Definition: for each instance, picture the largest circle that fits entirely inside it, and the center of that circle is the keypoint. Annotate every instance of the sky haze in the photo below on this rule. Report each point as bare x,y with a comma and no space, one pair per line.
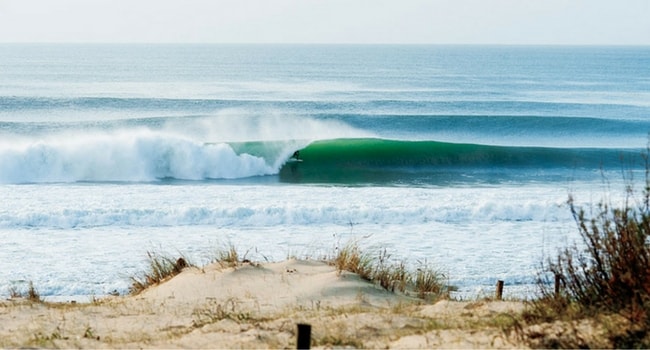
564,22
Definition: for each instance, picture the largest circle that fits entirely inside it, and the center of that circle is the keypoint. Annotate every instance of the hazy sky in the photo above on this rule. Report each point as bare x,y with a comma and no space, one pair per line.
328,21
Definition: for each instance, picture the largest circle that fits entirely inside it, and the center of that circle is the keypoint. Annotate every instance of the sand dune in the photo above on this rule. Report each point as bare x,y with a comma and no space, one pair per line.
257,306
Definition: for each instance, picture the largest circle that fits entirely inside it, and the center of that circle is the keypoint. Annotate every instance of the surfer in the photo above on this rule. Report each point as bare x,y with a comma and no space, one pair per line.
296,155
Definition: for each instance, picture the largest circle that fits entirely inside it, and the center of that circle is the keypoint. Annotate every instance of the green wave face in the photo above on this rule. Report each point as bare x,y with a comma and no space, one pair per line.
373,161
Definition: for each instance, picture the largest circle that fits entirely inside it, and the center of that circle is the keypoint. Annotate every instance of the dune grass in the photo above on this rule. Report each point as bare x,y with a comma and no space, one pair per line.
425,282
351,258
228,257
429,282
31,294
160,269
163,267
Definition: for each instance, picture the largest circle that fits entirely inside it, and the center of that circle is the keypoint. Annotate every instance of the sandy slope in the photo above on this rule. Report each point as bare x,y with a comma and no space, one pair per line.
255,306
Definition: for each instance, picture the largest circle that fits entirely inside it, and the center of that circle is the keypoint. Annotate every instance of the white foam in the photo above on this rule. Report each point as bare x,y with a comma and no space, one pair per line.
127,155
184,148
225,206
475,234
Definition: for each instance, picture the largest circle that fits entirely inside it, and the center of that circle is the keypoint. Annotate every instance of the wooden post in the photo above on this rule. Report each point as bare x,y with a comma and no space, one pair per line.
499,289
557,285
304,336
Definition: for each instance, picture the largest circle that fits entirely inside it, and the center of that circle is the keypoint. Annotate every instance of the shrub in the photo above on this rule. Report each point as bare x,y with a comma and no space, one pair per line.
609,273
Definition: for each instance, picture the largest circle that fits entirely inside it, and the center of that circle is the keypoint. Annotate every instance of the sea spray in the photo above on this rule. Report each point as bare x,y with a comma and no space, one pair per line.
131,155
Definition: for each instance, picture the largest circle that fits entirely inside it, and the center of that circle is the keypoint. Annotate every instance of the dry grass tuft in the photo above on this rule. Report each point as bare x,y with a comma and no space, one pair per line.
228,257
351,258
215,312
31,294
14,293
391,276
160,269
426,282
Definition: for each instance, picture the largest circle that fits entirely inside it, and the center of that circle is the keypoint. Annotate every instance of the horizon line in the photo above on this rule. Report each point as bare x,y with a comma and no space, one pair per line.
317,43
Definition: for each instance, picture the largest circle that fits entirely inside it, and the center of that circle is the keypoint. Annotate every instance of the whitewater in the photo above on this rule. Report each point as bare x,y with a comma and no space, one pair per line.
462,157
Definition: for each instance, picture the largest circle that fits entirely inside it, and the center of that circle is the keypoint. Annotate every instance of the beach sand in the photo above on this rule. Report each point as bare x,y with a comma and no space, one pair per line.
259,306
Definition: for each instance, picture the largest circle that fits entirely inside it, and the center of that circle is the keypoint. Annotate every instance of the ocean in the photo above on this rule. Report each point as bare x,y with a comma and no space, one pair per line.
458,157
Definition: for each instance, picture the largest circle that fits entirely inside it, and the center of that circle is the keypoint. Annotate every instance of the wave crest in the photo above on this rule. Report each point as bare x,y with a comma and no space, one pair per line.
141,155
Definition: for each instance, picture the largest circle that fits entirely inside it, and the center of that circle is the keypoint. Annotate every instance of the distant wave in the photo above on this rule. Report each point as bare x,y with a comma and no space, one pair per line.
35,102
449,105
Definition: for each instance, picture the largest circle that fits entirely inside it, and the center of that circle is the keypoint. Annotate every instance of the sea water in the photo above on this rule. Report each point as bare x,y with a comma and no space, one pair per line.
459,157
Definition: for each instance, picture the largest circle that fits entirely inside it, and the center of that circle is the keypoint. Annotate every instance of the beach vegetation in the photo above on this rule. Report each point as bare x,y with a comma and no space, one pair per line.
30,294
605,276
215,312
426,282
228,257
14,292
391,276
353,259
160,269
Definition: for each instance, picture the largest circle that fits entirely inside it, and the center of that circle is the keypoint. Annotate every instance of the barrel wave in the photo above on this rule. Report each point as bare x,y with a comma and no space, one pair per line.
146,156
372,161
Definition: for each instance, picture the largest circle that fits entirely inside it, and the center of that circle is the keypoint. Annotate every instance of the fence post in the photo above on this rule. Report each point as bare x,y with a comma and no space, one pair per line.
304,336
499,289
557,285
